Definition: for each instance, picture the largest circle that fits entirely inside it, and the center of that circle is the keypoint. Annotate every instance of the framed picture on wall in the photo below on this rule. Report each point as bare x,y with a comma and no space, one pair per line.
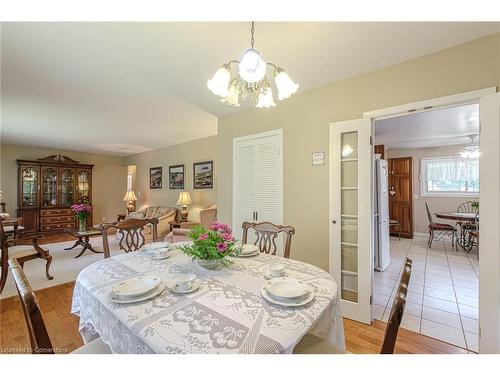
155,178
176,176
203,175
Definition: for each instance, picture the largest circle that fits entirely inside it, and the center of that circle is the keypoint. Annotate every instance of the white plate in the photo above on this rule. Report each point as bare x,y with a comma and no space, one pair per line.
136,286
153,293
155,245
286,287
292,303
194,286
157,256
248,249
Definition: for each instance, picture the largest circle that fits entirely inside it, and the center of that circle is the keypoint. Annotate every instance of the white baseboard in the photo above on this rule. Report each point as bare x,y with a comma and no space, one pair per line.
420,234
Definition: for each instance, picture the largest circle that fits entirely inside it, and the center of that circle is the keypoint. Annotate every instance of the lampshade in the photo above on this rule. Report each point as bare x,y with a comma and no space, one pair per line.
266,99
184,198
129,196
232,96
286,87
252,67
220,81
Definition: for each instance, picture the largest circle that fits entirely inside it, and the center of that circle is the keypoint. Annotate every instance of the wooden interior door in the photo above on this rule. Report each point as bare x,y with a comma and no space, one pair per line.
400,195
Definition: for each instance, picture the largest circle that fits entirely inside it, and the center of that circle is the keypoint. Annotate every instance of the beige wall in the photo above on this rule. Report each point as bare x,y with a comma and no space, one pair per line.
108,176
187,153
436,204
305,119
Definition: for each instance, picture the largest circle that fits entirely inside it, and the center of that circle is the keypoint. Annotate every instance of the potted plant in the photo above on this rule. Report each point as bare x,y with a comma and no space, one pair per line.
82,211
211,248
475,205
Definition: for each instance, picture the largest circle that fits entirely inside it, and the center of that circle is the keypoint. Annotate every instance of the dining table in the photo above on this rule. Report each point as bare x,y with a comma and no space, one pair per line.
227,314
468,218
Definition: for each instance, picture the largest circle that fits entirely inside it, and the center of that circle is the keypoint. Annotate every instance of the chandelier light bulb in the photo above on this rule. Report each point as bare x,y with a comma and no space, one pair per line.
233,95
252,67
286,87
266,99
220,81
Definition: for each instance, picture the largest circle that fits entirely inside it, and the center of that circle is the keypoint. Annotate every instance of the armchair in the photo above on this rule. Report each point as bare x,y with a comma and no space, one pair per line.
207,217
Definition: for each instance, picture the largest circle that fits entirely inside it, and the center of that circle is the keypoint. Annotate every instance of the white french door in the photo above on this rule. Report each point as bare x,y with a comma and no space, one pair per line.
257,179
489,203
351,250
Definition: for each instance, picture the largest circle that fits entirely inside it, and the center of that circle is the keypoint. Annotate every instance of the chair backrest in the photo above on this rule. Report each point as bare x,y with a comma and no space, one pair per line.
131,232
429,215
398,308
467,207
208,216
39,338
267,233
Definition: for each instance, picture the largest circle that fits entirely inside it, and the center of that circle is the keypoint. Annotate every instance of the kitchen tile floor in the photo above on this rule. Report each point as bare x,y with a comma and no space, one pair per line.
443,293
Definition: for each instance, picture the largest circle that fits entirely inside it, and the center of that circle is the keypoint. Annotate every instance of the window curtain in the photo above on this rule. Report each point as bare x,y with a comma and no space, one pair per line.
452,169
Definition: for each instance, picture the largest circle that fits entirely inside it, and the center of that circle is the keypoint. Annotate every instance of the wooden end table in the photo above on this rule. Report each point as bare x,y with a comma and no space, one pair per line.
178,224
83,239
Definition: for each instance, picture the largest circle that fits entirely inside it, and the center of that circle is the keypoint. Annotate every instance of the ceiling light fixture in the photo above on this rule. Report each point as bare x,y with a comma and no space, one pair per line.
251,80
472,151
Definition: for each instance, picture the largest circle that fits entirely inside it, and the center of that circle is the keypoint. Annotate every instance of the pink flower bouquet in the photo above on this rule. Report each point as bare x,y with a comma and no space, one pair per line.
215,244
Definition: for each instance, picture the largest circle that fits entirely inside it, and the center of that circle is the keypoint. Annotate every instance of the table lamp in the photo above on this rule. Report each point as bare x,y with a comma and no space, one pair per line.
184,200
130,198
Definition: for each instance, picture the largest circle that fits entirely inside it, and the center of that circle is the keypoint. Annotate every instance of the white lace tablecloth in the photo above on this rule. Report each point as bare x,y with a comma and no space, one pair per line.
226,315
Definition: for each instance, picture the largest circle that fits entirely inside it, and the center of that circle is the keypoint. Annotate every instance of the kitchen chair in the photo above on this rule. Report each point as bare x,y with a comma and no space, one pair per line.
438,230
23,253
130,233
311,344
39,338
266,236
474,235
397,224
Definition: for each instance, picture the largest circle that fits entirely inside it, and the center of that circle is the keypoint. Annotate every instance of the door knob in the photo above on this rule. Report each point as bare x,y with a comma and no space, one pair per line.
334,221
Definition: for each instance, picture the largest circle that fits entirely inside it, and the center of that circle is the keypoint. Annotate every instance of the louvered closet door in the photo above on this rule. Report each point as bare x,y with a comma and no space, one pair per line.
258,180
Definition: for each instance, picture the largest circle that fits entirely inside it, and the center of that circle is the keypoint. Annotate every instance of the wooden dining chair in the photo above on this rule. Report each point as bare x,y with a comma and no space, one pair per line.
311,344
130,233
266,234
397,311
12,247
39,338
438,230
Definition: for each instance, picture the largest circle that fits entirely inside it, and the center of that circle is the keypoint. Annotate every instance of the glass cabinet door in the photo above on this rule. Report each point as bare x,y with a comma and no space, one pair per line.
83,186
29,187
67,187
49,187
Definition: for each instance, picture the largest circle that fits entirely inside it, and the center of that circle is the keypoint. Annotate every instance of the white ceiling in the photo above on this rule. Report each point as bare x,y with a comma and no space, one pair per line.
440,127
123,88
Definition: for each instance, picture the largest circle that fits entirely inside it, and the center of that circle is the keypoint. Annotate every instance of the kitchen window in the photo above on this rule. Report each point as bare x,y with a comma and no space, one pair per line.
449,176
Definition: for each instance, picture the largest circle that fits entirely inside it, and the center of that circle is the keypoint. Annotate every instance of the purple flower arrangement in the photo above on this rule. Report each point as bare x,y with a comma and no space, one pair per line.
82,211
214,244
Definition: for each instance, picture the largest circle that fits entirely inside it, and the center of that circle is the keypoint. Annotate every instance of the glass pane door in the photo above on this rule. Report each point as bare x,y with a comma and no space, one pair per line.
83,186
49,187
351,259
67,187
29,187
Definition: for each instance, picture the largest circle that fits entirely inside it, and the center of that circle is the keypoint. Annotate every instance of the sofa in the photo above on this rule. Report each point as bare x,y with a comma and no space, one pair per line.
164,214
207,217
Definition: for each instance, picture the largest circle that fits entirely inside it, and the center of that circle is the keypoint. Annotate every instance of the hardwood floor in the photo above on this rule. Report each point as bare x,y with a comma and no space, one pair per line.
62,326
55,303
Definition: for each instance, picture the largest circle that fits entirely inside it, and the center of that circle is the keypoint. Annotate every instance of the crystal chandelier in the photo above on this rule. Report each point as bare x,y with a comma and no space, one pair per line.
472,151
251,80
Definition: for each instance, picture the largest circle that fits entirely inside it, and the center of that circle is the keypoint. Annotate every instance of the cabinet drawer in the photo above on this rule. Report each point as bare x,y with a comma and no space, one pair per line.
57,219
60,226
58,212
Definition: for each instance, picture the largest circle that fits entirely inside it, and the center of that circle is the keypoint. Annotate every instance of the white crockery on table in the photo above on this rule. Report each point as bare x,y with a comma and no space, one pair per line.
152,246
286,288
290,302
194,286
143,297
136,286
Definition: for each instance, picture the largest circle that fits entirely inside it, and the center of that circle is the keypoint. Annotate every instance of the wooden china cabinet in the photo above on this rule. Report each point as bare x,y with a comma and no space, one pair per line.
46,190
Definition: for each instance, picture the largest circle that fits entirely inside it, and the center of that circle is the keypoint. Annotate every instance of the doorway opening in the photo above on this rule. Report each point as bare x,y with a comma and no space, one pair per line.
426,207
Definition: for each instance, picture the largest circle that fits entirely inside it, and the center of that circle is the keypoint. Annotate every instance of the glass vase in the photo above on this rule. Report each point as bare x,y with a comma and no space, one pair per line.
82,224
